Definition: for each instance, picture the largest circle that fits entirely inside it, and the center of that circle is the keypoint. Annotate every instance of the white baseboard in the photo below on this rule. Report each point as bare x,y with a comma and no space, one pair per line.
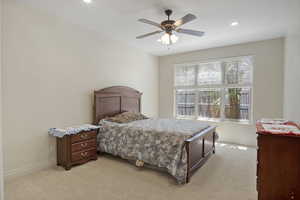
27,169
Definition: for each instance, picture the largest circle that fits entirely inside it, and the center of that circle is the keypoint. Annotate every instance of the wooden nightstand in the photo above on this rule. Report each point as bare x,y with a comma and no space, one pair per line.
77,149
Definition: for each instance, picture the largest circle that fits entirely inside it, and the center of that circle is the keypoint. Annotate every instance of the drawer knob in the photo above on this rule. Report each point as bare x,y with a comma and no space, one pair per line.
84,154
84,144
84,136
292,195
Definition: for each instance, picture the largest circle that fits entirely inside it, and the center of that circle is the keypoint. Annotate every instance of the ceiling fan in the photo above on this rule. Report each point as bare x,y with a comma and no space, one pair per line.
169,27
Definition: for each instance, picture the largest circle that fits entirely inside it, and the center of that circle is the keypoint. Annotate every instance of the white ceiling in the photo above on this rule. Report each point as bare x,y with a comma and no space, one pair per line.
259,20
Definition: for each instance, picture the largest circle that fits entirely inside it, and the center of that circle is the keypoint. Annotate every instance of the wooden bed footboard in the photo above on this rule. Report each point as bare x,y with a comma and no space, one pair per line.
199,148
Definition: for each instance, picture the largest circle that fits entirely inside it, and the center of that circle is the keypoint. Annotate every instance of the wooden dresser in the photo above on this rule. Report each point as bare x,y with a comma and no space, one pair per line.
278,165
77,149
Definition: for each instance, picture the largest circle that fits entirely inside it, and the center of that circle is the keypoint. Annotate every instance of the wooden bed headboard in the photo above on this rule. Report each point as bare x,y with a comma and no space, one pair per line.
114,100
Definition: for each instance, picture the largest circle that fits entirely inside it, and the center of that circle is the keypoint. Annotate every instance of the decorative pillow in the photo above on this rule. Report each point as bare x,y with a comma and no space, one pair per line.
126,117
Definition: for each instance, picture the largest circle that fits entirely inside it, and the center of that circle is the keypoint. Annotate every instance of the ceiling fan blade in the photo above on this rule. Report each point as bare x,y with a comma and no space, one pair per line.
146,21
148,34
187,18
190,32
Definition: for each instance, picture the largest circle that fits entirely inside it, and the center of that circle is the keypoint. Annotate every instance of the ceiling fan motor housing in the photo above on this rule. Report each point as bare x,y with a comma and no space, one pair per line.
168,25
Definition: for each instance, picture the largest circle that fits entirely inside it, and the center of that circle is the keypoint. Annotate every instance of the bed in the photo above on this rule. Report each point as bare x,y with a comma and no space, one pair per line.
187,152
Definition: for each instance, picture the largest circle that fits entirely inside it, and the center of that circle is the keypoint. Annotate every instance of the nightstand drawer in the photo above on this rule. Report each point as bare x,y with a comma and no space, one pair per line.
87,144
81,155
83,136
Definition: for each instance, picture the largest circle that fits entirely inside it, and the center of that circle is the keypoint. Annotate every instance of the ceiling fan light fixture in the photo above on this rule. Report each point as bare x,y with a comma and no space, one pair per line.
168,39
88,1
235,23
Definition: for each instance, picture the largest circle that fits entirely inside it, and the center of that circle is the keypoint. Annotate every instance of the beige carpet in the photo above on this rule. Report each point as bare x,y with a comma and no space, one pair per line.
228,175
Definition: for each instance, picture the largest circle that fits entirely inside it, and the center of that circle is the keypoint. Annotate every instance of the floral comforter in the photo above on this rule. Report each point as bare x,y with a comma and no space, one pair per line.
158,142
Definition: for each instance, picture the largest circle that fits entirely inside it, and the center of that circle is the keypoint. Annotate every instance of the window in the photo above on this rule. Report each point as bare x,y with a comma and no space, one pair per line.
216,91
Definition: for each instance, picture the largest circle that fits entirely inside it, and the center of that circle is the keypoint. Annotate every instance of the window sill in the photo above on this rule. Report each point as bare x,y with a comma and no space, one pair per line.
217,121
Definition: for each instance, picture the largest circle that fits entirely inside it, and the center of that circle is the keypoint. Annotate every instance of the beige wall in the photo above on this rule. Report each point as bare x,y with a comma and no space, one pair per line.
267,85
292,74
1,147
50,70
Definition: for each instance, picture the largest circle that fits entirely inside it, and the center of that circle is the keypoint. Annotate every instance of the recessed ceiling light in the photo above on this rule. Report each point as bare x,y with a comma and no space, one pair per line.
235,23
87,1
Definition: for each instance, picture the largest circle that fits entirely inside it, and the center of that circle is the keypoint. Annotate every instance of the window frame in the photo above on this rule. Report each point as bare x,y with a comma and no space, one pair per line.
223,86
